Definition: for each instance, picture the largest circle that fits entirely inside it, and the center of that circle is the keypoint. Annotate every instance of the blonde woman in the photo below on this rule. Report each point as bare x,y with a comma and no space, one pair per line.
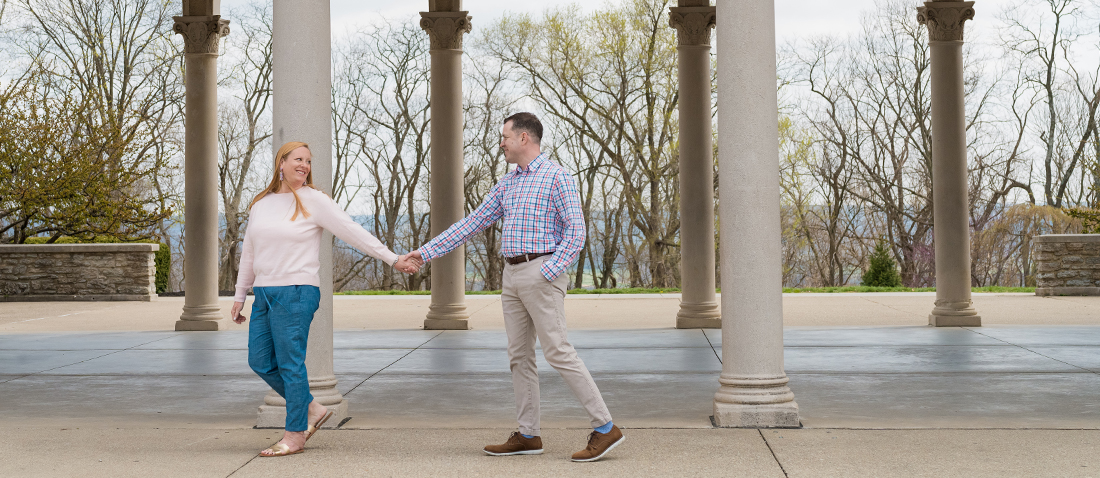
280,262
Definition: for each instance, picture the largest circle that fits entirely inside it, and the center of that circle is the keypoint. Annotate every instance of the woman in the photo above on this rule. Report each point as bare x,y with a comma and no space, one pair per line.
280,262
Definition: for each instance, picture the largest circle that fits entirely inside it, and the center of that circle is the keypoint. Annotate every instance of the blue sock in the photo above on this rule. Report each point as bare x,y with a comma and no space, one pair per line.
605,428
527,436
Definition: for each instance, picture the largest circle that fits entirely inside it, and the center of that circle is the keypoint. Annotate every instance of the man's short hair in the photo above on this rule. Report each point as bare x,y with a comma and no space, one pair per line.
528,123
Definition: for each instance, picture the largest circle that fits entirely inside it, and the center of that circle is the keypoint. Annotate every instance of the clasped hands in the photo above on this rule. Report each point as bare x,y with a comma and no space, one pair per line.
409,263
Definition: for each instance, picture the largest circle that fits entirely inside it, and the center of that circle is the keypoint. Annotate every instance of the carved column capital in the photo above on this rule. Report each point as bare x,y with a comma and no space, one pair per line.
201,33
945,19
692,24
446,28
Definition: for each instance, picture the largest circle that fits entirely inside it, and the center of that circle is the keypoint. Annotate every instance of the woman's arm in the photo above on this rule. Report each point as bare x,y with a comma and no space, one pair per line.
330,216
246,276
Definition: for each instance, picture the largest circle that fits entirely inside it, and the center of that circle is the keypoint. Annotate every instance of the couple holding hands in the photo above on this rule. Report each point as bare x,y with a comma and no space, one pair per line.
543,232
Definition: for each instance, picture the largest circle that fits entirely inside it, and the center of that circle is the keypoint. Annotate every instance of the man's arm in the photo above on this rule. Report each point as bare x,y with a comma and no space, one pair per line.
567,203
490,211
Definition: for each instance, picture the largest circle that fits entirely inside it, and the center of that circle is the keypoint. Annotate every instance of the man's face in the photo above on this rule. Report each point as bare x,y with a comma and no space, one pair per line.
511,143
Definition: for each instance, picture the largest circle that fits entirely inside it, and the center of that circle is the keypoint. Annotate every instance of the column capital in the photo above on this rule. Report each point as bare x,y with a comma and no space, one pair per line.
945,19
446,28
201,33
692,24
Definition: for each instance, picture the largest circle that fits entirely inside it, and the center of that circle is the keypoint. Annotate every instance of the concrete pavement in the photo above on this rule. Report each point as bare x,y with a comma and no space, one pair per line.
875,400
583,311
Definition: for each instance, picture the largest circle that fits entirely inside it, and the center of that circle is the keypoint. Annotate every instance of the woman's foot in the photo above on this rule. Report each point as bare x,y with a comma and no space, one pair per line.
292,442
316,412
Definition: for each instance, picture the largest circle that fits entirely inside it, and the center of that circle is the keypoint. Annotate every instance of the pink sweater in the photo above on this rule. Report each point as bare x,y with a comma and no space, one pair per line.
278,251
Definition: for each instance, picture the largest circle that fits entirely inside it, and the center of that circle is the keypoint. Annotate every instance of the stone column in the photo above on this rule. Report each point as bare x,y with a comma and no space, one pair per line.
201,29
949,176
693,20
753,390
446,22
302,111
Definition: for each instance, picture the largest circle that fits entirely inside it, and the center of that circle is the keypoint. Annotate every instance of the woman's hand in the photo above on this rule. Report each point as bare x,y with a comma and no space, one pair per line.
408,264
235,313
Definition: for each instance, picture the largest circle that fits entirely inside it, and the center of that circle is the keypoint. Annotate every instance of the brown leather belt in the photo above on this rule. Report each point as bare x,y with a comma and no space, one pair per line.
525,257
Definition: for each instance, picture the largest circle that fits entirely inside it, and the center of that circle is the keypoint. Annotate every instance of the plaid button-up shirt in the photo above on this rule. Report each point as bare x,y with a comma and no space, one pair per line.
542,213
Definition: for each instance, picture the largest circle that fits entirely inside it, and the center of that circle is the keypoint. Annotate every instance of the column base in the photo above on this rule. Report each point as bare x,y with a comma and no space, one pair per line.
739,415
447,317
199,325
954,320
698,323
446,324
274,416
755,402
202,317
699,316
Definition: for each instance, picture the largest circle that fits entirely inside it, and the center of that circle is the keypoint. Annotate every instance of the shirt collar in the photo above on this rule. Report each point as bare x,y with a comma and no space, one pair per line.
534,165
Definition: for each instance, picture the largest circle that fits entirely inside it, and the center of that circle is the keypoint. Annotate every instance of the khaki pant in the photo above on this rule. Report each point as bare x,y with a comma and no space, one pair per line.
534,307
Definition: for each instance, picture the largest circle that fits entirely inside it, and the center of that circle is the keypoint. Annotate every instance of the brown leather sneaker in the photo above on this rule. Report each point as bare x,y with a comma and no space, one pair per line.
599,444
517,444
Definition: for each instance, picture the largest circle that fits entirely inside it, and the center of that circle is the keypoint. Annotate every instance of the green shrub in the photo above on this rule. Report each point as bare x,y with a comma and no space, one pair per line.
883,271
1090,218
162,258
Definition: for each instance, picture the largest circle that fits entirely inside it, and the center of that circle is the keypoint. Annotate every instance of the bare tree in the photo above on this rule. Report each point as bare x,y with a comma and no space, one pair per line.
244,127
382,123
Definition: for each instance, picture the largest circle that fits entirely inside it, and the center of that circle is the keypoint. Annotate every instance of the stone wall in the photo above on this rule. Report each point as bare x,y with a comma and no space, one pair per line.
1069,264
89,272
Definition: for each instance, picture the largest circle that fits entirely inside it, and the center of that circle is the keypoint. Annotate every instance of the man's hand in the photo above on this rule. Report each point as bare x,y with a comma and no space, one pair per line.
408,263
235,313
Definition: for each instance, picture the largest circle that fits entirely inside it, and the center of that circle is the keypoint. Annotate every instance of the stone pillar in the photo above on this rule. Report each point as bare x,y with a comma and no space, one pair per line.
202,29
302,111
753,390
446,22
949,176
693,20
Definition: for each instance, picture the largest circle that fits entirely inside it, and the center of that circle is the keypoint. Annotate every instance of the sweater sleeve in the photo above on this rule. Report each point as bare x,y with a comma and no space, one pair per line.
246,275
333,218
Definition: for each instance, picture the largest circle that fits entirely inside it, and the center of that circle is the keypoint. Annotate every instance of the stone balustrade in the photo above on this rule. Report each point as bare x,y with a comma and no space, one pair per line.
77,272
1069,264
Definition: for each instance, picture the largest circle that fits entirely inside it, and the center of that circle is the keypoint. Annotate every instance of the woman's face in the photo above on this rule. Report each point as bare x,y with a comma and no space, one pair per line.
296,167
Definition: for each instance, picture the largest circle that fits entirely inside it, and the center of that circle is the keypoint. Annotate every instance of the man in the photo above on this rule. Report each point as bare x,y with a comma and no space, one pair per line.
543,233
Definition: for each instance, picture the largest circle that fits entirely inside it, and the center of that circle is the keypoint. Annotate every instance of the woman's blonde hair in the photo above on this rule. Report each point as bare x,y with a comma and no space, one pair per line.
277,182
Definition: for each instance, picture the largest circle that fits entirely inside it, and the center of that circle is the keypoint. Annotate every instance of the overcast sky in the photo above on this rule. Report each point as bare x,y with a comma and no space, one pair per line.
793,18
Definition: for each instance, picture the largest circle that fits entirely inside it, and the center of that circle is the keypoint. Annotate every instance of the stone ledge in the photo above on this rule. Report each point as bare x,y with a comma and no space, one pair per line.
1076,291
78,298
69,248
1076,238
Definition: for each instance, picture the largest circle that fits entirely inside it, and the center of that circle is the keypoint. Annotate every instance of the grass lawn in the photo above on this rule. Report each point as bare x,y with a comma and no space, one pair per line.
628,290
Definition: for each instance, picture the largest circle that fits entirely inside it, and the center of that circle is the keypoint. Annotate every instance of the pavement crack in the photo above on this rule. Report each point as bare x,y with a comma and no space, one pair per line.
1032,351
391,363
769,445
90,359
711,344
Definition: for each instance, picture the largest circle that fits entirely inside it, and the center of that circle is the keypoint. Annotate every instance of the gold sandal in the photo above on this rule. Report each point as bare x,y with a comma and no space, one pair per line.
280,449
317,426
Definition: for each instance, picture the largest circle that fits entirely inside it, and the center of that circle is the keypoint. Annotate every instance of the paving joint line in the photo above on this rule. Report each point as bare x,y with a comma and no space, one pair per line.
891,307
711,344
93,358
242,466
776,458
485,306
395,361
1094,372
